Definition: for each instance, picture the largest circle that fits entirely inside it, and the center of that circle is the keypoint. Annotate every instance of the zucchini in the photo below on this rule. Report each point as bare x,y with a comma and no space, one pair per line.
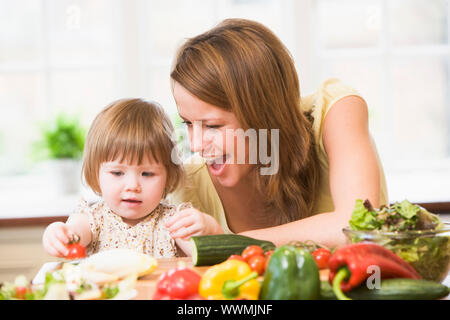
213,249
326,291
392,289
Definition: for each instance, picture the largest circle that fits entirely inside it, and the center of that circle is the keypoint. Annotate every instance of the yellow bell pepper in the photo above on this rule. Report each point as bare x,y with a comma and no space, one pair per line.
232,279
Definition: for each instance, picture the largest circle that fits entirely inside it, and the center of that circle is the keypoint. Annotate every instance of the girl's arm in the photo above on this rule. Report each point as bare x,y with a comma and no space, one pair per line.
354,174
184,245
58,234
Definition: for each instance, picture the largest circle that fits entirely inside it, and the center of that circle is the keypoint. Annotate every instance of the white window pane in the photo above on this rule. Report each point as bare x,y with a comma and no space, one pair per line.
158,88
170,22
349,23
20,32
82,31
418,22
83,92
157,80
420,100
365,75
267,12
22,107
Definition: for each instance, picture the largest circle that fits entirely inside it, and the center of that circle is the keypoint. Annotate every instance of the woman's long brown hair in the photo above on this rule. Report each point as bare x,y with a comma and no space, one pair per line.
241,66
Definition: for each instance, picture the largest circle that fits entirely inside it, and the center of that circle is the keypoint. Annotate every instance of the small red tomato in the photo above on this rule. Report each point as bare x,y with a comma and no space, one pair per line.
21,292
178,283
258,264
236,257
268,253
321,256
252,251
76,250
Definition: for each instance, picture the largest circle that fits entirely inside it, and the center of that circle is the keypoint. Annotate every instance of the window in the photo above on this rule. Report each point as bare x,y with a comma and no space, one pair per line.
56,56
166,24
397,54
77,56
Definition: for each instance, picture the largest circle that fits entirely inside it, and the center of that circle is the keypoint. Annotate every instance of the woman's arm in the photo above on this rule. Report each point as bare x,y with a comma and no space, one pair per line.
354,174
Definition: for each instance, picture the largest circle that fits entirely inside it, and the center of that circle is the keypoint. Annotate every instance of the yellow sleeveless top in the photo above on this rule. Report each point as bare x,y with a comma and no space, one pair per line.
201,192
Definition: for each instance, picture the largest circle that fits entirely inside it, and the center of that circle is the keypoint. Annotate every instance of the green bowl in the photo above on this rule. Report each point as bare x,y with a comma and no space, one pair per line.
428,251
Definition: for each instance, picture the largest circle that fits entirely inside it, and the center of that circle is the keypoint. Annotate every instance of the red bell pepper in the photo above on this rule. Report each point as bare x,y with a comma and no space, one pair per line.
178,284
349,266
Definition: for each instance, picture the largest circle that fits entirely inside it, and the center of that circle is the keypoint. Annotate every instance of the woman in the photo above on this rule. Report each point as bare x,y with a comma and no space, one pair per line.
239,75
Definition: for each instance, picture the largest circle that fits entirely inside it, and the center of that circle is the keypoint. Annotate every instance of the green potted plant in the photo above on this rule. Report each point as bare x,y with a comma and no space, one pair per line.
62,143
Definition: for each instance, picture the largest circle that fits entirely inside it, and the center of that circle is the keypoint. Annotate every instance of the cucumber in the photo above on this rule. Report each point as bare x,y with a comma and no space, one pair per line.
392,289
326,291
214,249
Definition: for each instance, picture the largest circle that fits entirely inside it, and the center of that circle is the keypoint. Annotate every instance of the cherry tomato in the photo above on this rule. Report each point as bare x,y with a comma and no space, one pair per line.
268,253
21,292
76,250
236,257
321,256
258,264
252,251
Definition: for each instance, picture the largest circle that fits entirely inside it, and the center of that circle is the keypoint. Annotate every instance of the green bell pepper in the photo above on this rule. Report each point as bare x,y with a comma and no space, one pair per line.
292,274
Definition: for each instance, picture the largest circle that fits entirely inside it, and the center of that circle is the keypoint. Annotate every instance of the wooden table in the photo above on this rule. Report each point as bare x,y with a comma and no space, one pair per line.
146,285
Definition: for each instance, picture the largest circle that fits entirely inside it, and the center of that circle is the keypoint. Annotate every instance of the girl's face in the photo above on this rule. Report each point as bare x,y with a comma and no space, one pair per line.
132,191
212,133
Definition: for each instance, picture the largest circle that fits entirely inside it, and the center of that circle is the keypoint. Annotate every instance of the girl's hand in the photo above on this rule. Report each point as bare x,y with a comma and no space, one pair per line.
56,236
192,222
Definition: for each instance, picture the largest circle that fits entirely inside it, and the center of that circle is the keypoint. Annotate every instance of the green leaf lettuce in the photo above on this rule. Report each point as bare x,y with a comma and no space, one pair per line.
362,218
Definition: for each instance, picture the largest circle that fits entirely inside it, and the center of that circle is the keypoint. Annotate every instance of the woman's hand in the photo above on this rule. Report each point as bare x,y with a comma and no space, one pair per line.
192,222
56,236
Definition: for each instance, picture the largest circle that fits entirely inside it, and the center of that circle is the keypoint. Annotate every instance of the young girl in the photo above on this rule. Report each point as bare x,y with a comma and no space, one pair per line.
128,162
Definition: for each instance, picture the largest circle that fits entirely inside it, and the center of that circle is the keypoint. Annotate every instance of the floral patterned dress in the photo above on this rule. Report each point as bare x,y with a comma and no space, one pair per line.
148,236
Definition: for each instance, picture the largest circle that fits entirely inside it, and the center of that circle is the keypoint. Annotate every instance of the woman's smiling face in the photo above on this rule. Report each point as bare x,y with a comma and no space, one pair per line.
212,134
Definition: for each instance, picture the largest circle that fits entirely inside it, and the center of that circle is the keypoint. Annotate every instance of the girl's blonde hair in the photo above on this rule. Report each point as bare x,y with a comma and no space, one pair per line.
129,130
241,66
